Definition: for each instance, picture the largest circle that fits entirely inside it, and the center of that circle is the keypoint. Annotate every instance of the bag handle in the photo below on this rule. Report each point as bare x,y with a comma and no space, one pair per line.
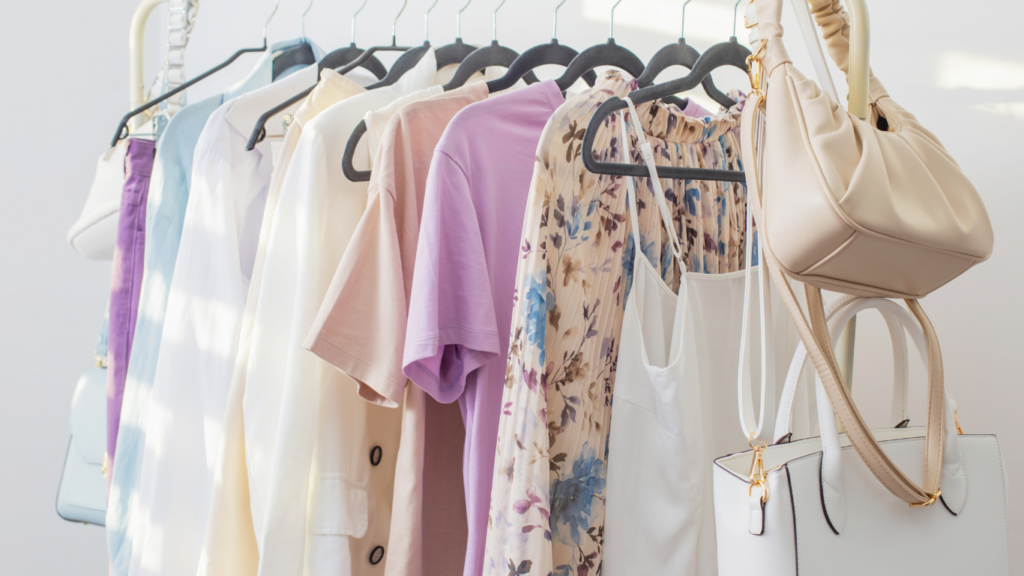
814,333
833,492
850,57
839,312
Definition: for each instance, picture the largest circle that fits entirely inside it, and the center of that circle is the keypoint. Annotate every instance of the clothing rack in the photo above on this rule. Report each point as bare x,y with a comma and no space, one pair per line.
136,57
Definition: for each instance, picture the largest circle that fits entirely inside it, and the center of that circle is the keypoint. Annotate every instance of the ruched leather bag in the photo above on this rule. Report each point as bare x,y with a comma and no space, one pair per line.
873,207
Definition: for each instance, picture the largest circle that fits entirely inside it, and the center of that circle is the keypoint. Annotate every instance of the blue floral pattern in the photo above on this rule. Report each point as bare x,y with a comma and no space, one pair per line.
547,501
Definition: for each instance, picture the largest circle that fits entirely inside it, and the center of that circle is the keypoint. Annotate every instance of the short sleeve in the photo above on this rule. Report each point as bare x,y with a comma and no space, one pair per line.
452,328
360,328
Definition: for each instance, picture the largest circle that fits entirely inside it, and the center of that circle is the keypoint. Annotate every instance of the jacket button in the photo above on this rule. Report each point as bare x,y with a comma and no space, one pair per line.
376,555
375,455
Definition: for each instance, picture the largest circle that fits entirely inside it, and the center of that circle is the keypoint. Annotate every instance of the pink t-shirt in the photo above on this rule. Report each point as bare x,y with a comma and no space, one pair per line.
460,312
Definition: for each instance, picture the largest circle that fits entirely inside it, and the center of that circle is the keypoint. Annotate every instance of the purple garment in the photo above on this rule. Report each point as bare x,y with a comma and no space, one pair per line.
464,283
126,280
694,110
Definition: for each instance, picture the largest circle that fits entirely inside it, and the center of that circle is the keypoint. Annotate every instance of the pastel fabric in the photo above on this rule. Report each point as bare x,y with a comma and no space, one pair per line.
321,501
361,327
165,213
460,311
231,545
126,278
548,497
675,391
200,333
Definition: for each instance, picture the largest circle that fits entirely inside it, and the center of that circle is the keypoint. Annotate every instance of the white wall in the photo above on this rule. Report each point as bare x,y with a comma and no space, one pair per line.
64,85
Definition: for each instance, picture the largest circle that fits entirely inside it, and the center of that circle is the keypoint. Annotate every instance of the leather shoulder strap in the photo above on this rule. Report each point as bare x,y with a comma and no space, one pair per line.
814,334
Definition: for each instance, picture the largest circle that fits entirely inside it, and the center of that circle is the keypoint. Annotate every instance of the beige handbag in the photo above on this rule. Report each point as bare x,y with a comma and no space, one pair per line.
872,207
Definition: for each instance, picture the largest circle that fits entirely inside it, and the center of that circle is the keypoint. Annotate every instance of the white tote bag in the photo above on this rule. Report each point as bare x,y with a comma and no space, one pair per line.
812,507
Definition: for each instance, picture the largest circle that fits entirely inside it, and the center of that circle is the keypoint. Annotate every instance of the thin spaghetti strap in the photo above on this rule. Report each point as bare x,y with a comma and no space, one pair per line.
659,192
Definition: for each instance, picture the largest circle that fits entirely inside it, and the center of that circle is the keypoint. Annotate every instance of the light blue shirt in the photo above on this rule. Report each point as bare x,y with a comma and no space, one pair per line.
165,214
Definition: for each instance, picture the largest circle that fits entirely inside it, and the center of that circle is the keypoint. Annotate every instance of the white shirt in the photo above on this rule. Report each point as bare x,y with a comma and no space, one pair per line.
230,545
319,505
200,334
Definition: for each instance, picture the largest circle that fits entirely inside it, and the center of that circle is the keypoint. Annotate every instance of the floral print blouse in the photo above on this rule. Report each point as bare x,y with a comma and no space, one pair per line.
547,501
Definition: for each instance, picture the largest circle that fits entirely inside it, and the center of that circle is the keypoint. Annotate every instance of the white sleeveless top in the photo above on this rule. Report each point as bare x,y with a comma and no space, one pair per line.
674,408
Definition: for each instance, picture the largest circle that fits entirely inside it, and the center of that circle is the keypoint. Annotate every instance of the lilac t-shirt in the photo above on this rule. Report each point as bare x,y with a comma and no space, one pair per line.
460,312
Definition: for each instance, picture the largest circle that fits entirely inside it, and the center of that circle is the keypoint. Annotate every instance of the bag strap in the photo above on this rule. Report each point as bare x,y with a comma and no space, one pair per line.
744,394
809,31
839,312
834,22
814,333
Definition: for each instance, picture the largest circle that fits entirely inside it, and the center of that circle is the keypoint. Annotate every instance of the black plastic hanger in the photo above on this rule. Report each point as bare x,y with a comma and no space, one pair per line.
543,55
405,62
607,54
729,53
493,54
350,53
400,66
343,56
681,54
448,54
122,127
453,53
299,55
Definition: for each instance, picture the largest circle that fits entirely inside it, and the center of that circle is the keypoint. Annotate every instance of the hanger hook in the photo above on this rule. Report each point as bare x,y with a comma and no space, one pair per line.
426,24
458,19
308,8
611,25
554,29
735,12
494,21
682,24
354,21
394,25
267,23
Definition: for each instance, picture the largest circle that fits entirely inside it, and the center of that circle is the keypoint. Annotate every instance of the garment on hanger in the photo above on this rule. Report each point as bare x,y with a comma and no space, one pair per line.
361,330
231,544
571,287
165,212
460,308
199,341
378,120
126,280
301,416
321,461
674,405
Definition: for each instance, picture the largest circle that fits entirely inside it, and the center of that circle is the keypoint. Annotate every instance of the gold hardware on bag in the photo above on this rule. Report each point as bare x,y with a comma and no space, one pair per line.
758,478
931,500
755,69
103,468
746,23
956,421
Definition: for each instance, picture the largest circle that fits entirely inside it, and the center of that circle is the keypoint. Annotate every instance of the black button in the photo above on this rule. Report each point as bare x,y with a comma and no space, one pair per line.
377,554
375,455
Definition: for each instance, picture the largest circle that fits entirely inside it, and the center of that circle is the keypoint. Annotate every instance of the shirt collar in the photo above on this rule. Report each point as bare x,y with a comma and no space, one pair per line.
332,88
248,108
262,73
